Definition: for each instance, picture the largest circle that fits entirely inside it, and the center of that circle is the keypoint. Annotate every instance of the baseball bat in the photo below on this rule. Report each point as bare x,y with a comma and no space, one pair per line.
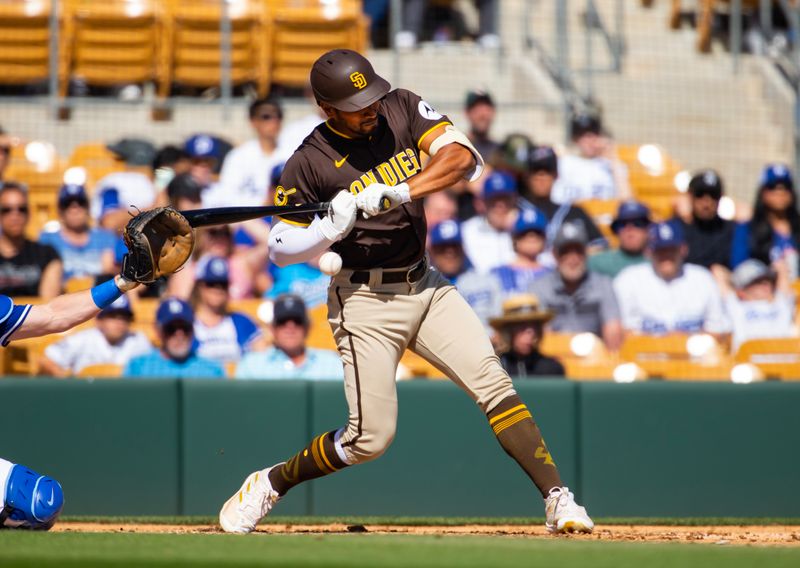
226,215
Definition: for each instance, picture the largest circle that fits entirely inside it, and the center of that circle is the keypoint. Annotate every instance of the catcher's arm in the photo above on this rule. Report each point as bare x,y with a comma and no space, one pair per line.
68,310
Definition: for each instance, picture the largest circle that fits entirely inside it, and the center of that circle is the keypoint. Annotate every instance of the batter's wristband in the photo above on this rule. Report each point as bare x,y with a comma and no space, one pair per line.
105,294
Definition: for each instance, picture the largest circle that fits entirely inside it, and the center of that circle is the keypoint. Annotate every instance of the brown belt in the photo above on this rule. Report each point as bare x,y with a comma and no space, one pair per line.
395,277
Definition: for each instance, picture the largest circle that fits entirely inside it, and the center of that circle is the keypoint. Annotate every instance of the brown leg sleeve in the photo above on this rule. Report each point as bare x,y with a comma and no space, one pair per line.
521,439
315,460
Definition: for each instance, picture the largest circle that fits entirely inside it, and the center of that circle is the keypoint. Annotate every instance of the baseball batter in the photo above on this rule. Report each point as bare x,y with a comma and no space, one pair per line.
367,157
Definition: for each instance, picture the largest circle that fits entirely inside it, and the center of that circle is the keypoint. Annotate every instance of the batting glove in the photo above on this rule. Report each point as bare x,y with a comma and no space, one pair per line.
378,198
341,216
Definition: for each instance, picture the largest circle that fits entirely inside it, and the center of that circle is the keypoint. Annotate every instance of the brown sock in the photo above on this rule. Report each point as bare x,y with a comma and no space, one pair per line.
520,437
317,459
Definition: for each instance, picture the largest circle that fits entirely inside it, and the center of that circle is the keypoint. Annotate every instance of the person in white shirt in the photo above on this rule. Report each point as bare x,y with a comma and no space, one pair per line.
294,132
118,191
110,342
222,336
590,174
760,303
666,295
487,238
245,175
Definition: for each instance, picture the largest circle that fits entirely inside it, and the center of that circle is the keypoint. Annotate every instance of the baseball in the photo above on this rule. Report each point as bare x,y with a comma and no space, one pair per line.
330,263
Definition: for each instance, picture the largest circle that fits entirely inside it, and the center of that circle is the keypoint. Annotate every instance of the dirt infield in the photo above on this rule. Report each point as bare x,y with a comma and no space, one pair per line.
721,535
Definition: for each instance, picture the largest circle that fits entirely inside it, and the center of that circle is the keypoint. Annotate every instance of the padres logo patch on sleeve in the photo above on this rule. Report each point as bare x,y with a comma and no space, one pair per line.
282,195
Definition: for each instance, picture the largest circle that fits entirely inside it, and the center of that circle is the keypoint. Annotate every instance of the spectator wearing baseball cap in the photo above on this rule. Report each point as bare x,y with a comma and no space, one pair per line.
708,236
446,252
110,342
590,173
631,226
529,236
759,301
245,175
521,329
222,335
290,357
85,251
581,300
487,237
666,295
168,162
773,233
177,357
541,172
132,187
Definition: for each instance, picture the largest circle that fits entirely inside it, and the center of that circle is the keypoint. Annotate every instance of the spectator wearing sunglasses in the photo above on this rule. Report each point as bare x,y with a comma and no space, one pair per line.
773,234
177,357
85,251
708,235
245,176
222,336
290,357
630,225
27,268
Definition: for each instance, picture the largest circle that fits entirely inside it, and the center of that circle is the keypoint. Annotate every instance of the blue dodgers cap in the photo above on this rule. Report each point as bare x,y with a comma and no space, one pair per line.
666,234
530,219
777,174
213,269
202,146
498,184
72,192
446,233
120,305
174,309
630,211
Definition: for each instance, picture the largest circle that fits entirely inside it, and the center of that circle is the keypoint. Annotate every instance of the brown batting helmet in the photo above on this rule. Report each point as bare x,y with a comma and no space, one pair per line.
346,80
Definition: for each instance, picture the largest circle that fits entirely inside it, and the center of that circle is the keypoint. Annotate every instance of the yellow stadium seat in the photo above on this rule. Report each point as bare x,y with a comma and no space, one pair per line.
144,309
583,355
24,42
298,36
111,42
193,51
78,284
96,160
669,357
43,208
101,371
776,358
602,212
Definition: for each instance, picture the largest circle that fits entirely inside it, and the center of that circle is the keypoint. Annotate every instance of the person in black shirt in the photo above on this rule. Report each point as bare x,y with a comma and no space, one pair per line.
521,327
26,267
708,235
538,184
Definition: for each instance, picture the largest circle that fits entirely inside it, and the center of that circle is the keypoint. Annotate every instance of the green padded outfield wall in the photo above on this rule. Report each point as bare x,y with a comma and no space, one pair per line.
652,449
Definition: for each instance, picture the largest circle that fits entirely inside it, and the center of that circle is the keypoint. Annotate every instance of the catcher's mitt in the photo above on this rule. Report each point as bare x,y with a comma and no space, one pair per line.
159,242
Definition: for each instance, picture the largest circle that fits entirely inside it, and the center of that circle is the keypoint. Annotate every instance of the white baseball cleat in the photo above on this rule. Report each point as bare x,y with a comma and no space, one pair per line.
255,498
563,514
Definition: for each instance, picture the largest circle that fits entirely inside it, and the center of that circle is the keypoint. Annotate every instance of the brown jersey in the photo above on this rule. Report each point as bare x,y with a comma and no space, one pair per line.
328,161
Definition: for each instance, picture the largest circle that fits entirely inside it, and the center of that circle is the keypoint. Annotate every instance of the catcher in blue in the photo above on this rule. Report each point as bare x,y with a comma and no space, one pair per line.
160,241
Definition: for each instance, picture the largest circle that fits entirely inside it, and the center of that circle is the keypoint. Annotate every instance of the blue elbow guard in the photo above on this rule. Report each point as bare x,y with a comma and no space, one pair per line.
105,294
35,500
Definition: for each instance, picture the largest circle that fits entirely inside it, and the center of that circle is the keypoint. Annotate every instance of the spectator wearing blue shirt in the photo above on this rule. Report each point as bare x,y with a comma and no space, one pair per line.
481,291
774,231
176,359
83,250
222,336
289,357
529,238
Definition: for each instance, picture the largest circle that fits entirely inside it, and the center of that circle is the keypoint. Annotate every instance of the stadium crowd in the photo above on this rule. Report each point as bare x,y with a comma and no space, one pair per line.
517,244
